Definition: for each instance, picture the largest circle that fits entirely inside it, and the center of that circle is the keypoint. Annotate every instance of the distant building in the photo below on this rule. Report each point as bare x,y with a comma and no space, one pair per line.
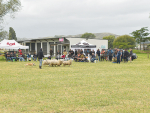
144,45
59,44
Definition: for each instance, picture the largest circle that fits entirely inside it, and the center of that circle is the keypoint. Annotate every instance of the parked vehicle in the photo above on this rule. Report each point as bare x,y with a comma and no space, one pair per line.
134,56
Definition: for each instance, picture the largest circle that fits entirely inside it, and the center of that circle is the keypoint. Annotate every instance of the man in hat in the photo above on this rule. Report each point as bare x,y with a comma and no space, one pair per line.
40,57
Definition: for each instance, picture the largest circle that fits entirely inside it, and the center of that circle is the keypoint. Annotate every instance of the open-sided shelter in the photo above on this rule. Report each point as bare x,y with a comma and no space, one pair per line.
11,44
83,45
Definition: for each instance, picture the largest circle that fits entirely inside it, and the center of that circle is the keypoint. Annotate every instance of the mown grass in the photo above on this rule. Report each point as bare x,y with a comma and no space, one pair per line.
83,87
140,51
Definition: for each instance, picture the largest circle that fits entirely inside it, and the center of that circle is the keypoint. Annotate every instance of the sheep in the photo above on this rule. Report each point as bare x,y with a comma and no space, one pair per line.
69,62
61,61
46,62
55,62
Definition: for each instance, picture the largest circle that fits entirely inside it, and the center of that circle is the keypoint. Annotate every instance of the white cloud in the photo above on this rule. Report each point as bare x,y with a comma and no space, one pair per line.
39,18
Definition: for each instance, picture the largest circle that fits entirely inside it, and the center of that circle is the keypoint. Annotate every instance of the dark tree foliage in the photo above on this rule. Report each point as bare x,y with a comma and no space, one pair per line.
9,7
3,35
110,39
124,42
12,34
88,35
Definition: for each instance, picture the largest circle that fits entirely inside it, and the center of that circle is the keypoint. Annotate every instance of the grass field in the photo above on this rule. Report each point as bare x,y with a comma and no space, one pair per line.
83,87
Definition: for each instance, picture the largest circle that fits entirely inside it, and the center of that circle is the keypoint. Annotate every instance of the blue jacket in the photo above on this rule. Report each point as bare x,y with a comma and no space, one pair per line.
29,55
118,54
87,51
111,52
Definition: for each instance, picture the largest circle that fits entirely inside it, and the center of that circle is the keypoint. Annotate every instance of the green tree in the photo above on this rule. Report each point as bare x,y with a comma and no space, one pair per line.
9,7
141,35
124,42
3,35
110,40
12,34
88,35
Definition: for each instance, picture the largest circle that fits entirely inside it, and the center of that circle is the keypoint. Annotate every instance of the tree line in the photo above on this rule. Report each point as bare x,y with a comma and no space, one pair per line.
124,41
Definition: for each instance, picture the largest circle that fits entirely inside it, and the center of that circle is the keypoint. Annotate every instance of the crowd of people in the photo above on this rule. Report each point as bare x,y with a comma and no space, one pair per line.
78,55
115,56
12,56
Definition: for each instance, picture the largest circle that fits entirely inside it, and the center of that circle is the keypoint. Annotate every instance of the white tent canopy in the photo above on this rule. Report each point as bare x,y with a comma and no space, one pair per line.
83,45
11,44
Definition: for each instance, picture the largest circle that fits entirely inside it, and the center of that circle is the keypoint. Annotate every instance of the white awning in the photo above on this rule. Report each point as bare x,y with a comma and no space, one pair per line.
11,44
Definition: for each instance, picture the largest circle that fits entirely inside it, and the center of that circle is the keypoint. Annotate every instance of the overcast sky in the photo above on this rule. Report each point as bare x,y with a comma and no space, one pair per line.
42,18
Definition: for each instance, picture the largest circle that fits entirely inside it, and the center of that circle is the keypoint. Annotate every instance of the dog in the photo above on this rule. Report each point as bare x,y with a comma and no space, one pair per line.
30,64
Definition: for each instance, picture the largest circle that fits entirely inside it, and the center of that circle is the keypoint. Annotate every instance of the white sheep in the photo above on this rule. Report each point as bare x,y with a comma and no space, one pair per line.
69,62
46,62
55,62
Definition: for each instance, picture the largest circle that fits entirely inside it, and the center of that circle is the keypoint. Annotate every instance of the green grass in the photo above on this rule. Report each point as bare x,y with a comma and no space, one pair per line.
83,87
140,51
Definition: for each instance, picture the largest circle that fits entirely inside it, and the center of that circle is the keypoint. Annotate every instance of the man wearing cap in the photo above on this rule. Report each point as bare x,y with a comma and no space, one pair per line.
40,57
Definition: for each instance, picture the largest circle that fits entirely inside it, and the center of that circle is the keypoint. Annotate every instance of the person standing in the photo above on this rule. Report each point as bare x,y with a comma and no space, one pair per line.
130,55
106,55
98,54
75,52
122,55
40,57
118,56
125,55
102,54
110,53
51,53
20,51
